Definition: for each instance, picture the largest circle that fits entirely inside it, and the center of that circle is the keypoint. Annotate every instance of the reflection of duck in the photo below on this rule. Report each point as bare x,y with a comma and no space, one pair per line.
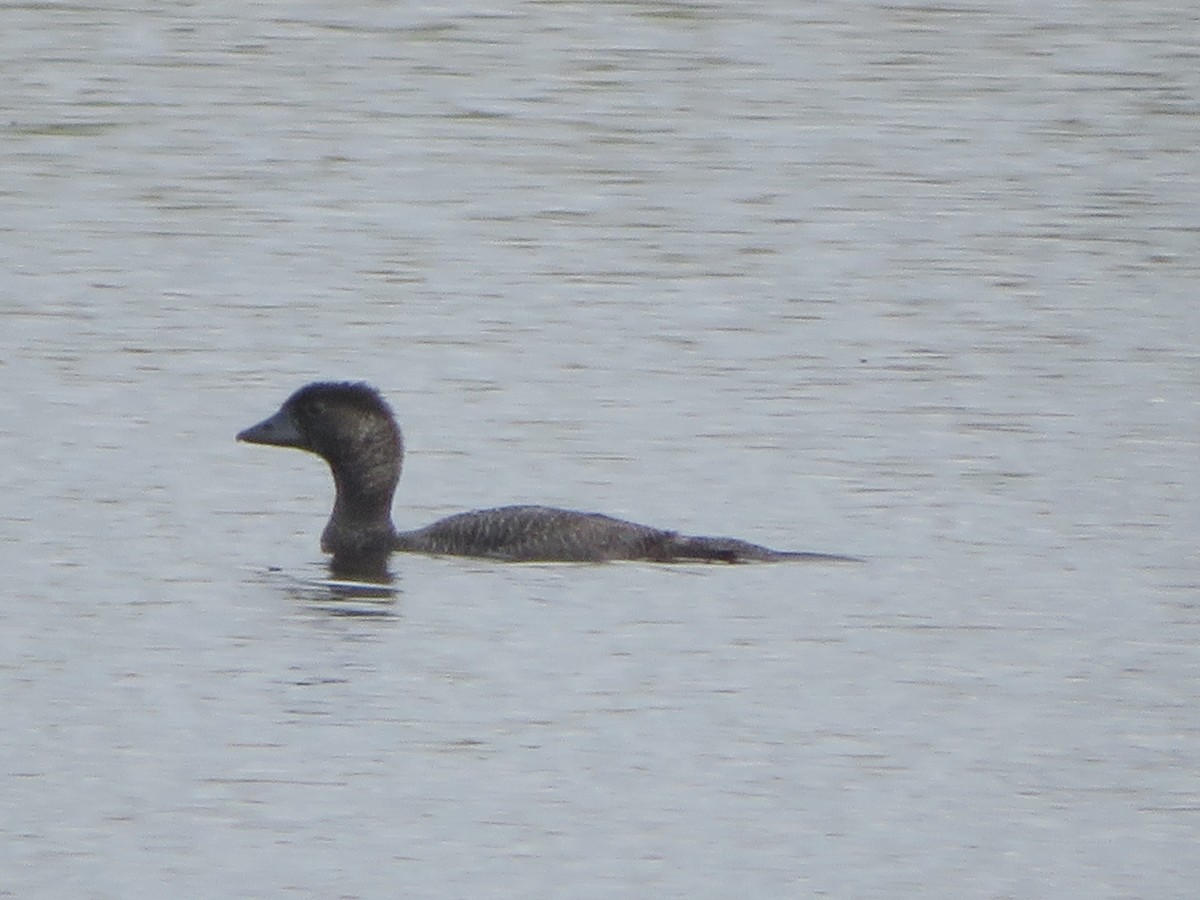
351,428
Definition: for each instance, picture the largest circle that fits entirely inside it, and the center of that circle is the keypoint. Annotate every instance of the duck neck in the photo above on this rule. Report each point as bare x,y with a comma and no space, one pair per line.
362,510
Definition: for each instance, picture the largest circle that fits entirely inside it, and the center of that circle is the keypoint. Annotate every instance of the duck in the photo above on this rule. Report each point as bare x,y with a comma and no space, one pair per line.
352,428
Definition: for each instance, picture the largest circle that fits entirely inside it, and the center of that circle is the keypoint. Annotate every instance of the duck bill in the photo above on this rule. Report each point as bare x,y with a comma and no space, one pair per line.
278,431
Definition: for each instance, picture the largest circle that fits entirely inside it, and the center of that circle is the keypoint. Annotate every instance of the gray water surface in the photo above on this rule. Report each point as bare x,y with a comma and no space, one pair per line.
915,283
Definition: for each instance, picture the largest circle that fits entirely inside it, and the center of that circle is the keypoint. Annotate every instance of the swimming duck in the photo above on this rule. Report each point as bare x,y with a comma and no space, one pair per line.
352,428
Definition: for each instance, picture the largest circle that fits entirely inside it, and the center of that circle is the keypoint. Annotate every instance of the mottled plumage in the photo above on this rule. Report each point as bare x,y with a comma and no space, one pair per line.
353,429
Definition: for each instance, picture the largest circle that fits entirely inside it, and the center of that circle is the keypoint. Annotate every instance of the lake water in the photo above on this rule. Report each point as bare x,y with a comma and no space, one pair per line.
906,281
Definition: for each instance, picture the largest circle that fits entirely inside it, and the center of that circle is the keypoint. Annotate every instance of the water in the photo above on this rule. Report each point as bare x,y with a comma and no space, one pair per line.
910,282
